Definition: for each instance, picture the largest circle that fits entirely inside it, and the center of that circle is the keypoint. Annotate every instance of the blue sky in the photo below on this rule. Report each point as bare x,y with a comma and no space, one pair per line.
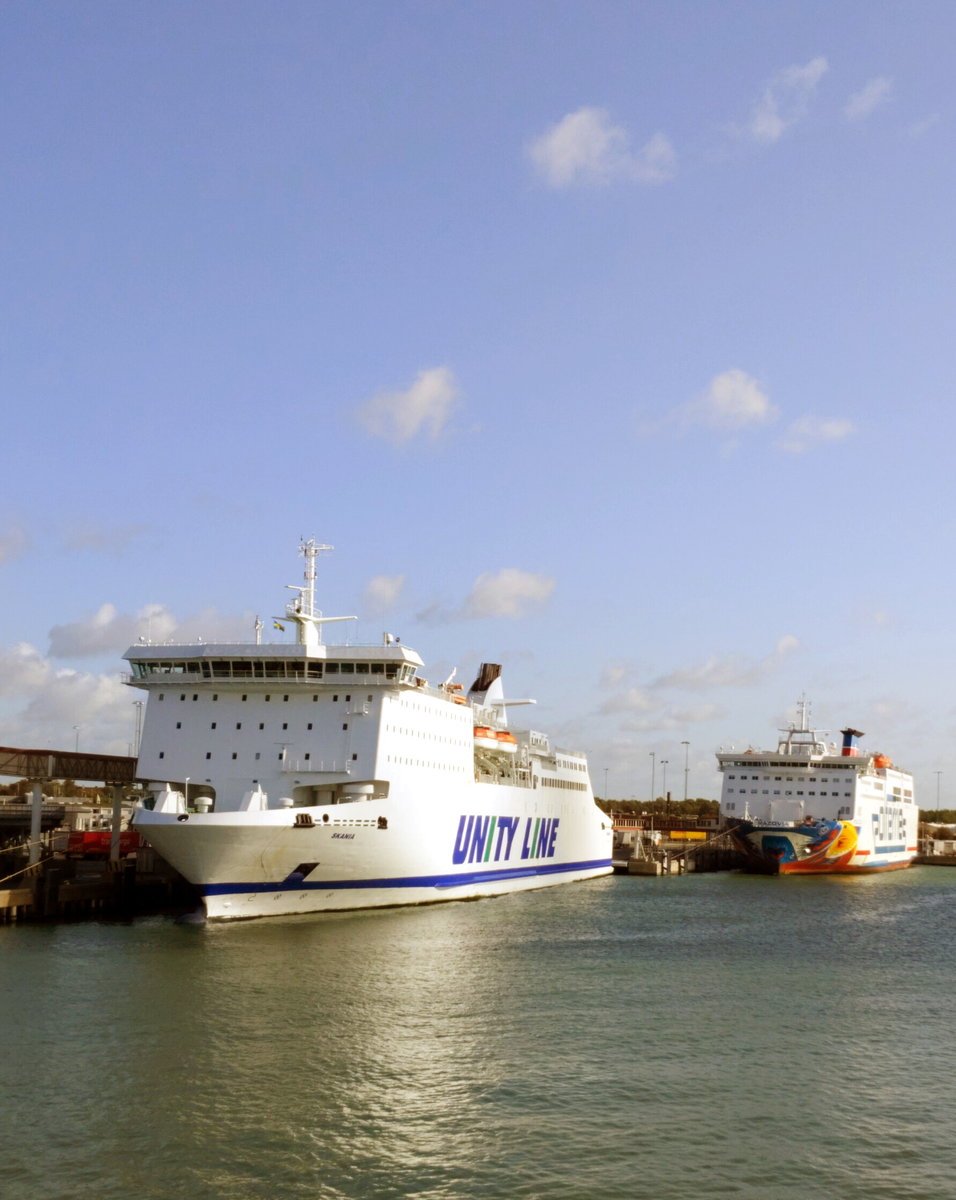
611,341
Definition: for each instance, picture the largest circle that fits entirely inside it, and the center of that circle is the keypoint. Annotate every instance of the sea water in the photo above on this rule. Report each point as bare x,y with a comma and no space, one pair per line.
693,1037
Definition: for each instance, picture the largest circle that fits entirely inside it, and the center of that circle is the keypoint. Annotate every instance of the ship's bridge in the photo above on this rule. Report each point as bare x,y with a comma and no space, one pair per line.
220,663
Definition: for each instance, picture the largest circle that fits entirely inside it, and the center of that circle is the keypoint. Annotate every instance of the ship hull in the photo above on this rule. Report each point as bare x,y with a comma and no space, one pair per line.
792,850
340,857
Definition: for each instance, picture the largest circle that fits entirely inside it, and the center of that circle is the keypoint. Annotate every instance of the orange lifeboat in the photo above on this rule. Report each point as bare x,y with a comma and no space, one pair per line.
507,741
485,738
881,762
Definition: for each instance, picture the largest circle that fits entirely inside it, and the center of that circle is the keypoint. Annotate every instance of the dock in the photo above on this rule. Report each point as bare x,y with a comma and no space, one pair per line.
658,846
60,888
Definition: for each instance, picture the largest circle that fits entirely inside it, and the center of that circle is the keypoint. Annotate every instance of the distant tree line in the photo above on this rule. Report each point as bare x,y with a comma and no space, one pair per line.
663,808
941,816
51,787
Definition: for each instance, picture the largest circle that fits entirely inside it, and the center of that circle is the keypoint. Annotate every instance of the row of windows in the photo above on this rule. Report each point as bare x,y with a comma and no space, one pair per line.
272,669
417,762
567,784
841,812
257,755
776,792
285,725
267,698
430,736
792,766
758,776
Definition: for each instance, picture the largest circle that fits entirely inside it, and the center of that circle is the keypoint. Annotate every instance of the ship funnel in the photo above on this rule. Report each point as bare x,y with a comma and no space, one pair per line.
488,673
849,742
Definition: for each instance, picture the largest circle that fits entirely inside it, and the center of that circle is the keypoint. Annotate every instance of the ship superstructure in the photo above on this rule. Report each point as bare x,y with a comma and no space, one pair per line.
813,807
300,777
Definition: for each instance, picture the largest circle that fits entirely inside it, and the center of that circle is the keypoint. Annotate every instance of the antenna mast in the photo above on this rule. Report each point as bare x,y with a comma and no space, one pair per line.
310,551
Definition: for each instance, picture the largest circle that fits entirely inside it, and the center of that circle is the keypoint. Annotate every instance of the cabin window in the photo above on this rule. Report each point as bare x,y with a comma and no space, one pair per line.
238,724
162,754
285,724
179,724
209,754
234,754
213,725
261,725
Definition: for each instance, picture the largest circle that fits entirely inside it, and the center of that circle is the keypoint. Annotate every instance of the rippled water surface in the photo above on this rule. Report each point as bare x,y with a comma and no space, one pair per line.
695,1037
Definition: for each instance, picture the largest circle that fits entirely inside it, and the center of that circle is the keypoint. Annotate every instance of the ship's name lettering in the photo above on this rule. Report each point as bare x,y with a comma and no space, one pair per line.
504,839
346,837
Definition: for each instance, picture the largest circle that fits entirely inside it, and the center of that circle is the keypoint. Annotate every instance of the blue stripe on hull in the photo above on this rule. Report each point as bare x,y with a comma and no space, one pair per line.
410,881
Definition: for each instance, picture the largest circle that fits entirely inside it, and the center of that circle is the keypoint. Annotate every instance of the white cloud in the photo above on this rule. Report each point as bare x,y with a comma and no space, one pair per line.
810,431
509,592
729,670
506,593
52,701
13,543
424,407
103,539
674,718
109,631
785,100
585,147
22,668
382,591
634,700
919,128
873,93
733,400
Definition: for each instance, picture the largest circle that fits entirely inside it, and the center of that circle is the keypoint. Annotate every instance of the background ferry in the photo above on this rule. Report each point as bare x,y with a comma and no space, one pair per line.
811,807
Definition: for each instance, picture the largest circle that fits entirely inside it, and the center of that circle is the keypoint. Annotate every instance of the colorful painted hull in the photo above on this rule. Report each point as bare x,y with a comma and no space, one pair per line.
827,848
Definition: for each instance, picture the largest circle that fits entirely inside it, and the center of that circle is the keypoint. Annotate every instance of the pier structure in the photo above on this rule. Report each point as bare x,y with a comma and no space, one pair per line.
43,766
56,886
655,844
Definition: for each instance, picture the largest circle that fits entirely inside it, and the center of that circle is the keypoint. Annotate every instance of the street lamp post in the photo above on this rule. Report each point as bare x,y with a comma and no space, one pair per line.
938,773
653,754
686,746
664,762
138,705
605,782
76,739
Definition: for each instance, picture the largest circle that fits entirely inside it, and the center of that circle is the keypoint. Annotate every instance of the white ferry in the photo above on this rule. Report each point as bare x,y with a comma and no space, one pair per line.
811,807
295,778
